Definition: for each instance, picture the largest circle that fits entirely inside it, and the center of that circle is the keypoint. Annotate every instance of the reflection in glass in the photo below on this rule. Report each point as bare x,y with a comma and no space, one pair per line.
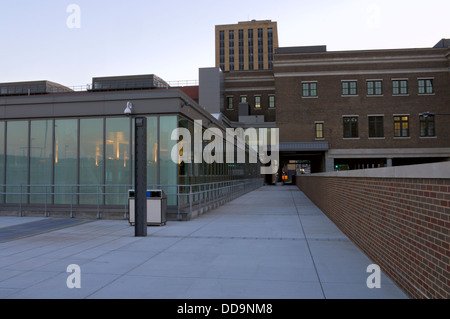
91,160
66,155
152,151
16,160
168,169
117,160
41,160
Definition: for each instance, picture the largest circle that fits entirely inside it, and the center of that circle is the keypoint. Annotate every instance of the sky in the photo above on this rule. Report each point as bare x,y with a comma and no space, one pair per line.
70,42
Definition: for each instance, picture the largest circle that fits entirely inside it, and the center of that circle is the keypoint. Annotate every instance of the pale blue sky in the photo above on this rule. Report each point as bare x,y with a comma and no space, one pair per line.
173,38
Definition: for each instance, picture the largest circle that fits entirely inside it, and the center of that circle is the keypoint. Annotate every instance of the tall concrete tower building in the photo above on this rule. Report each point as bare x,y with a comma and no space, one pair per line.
246,46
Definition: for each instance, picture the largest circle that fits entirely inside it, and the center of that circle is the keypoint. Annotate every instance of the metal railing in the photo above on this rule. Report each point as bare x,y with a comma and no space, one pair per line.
101,197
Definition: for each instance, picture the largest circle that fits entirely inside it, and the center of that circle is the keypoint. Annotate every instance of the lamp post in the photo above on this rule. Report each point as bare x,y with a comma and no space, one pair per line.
140,173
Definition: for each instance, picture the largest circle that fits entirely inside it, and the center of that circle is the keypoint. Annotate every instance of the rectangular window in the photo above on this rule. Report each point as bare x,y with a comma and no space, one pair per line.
222,49
319,130
376,126
271,101
243,99
41,157
66,157
349,88
16,159
231,49
427,126
270,46
374,88
229,102
401,126
117,159
425,86
91,160
309,89
350,127
399,87
2,160
260,50
250,50
257,102
241,50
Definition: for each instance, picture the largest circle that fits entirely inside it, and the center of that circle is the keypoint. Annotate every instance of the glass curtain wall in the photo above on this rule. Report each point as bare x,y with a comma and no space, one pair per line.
66,161
117,160
16,160
41,158
91,161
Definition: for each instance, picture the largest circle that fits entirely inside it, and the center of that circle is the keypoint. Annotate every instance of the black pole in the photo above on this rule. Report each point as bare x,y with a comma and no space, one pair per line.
140,177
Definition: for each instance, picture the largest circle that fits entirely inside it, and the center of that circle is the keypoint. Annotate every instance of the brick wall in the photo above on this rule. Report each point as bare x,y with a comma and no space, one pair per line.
402,224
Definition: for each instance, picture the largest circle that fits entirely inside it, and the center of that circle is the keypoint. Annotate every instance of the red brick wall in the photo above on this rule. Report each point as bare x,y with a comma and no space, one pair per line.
402,224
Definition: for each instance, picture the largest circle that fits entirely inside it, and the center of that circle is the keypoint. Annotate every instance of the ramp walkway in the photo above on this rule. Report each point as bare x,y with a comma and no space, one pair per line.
272,243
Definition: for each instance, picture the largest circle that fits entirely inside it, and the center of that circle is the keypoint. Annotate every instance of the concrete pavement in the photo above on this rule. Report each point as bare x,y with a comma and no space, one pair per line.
272,243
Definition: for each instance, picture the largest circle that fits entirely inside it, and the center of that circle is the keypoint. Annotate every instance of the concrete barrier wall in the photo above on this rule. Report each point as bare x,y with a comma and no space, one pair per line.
402,224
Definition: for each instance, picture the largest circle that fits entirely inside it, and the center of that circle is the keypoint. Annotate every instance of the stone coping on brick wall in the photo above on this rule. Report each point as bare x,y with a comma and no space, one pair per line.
433,170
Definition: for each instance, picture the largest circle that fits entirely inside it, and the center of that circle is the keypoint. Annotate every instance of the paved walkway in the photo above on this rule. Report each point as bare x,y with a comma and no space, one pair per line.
272,243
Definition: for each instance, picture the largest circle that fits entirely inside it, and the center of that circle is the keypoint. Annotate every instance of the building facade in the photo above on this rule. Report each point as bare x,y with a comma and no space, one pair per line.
374,108
74,151
248,45
348,109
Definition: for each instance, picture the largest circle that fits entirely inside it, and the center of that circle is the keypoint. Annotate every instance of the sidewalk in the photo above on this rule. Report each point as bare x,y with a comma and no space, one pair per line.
272,243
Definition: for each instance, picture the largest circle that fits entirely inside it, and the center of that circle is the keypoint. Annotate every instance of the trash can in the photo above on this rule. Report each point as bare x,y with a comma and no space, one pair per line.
156,207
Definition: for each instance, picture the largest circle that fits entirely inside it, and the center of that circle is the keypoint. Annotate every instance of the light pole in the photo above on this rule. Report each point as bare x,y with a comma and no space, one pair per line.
140,173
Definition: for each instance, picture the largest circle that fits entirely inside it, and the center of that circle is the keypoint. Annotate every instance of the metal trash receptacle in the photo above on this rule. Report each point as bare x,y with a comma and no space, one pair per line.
156,207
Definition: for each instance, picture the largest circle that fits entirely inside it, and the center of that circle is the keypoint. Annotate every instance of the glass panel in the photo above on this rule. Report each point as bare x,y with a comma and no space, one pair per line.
66,156
91,160
117,160
152,151
41,156
16,160
168,169
2,160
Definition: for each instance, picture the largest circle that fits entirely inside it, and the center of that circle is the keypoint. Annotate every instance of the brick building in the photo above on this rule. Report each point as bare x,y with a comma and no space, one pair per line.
348,109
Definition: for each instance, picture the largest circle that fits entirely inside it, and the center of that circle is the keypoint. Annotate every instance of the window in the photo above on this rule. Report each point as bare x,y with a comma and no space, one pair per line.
271,101
350,127
270,46
243,99
258,102
427,126
221,50
399,87
309,89
260,50
231,49
319,130
229,102
349,88
241,50
374,88
425,86
250,50
401,126
376,126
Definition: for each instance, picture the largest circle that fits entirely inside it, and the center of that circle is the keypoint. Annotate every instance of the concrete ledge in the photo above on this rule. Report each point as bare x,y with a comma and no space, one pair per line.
433,170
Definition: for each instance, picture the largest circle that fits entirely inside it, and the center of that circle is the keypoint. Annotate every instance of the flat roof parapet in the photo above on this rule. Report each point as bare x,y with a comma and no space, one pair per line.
129,82
32,88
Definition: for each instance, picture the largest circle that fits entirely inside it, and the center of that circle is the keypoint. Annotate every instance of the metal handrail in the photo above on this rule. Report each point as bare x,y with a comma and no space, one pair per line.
204,195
